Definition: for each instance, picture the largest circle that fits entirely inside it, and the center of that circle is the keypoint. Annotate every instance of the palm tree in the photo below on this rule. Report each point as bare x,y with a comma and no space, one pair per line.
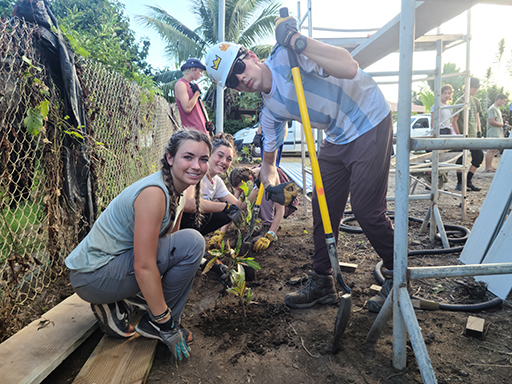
248,22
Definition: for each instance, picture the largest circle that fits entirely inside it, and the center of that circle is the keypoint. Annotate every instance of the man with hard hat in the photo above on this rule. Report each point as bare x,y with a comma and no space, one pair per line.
354,157
188,96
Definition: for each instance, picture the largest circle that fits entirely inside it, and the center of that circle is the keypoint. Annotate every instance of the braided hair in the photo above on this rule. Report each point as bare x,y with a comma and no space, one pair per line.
240,174
175,142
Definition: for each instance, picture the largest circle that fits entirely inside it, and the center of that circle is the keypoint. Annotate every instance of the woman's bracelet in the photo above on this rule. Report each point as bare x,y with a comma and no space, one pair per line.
163,315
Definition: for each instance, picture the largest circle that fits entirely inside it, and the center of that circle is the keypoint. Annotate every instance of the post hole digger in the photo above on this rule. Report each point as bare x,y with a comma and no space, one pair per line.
346,299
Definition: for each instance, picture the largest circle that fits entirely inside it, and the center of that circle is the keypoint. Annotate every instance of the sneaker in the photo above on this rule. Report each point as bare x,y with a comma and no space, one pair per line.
376,302
113,319
472,187
317,289
136,302
147,329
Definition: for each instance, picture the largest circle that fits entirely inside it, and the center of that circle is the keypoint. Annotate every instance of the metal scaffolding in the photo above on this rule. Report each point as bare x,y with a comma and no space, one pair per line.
398,304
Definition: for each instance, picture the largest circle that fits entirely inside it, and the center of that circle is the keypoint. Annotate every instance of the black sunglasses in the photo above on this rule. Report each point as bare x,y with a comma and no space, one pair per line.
238,69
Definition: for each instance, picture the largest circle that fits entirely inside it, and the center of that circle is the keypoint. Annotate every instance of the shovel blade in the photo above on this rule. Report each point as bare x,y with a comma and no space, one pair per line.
252,224
342,320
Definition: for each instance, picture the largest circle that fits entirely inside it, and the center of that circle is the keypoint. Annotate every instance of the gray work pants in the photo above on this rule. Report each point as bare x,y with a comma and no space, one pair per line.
178,258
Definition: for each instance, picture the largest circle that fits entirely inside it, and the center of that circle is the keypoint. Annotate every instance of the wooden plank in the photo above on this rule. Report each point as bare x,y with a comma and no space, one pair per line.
34,352
123,361
375,289
475,326
500,252
348,267
492,213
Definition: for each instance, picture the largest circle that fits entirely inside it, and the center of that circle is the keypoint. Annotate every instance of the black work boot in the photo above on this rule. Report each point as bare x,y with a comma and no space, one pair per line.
376,302
317,289
458,187
471,186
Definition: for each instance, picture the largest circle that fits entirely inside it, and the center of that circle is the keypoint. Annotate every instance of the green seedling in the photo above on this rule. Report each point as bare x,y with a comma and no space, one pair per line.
235,262
239,288
230,256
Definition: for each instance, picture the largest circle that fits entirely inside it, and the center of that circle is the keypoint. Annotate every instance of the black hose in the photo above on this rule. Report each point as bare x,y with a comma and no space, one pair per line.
377,271
457,233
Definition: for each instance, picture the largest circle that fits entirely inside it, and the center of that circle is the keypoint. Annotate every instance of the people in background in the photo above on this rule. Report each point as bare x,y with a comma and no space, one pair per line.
474,130
444,118
496,128
188,94
270,213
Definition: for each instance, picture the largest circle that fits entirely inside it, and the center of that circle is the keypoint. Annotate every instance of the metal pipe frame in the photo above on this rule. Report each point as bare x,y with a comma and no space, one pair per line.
397,73
407,22
219,119
398,303
415,273
424,143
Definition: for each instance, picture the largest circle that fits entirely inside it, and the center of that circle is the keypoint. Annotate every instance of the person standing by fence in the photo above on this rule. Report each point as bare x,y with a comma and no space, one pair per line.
135,257
188,96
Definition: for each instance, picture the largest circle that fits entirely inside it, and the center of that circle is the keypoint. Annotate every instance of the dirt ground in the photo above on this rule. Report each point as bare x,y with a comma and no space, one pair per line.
276,344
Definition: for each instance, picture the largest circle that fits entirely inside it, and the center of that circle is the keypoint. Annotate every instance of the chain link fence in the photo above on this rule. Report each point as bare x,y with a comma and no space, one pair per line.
128,128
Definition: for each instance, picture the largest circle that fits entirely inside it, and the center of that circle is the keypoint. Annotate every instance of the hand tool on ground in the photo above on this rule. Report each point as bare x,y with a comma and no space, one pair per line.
346,299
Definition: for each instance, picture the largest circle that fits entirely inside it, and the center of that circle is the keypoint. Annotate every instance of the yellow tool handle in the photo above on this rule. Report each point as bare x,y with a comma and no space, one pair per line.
319,186
259,197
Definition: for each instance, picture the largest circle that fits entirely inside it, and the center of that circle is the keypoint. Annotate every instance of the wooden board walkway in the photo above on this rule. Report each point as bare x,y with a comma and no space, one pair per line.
119,361
34,352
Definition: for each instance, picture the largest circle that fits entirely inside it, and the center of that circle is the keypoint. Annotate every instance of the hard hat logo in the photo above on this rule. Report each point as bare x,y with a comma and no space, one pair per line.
220,59
216,62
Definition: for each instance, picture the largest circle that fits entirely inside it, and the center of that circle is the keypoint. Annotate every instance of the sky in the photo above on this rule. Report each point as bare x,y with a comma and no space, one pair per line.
489,24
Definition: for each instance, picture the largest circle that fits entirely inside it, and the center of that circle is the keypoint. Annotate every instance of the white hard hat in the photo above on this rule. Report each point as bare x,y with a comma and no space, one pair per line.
220,59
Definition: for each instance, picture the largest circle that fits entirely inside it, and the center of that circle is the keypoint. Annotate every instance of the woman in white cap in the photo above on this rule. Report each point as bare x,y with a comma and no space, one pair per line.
188,94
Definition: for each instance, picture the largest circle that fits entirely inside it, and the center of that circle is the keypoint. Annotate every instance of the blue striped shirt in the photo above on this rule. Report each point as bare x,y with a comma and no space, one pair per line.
344,109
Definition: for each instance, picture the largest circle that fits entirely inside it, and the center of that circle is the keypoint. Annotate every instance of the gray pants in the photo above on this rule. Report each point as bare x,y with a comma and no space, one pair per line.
178,258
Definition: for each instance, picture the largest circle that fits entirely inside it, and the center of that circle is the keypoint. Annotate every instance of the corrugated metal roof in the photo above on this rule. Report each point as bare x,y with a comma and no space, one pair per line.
294,172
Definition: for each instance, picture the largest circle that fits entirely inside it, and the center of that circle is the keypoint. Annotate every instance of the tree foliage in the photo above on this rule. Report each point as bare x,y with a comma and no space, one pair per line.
6,8
247,22
99,29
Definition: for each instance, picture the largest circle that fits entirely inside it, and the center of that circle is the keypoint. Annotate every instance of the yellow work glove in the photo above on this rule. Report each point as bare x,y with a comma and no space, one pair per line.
264,242
217,237
286,27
